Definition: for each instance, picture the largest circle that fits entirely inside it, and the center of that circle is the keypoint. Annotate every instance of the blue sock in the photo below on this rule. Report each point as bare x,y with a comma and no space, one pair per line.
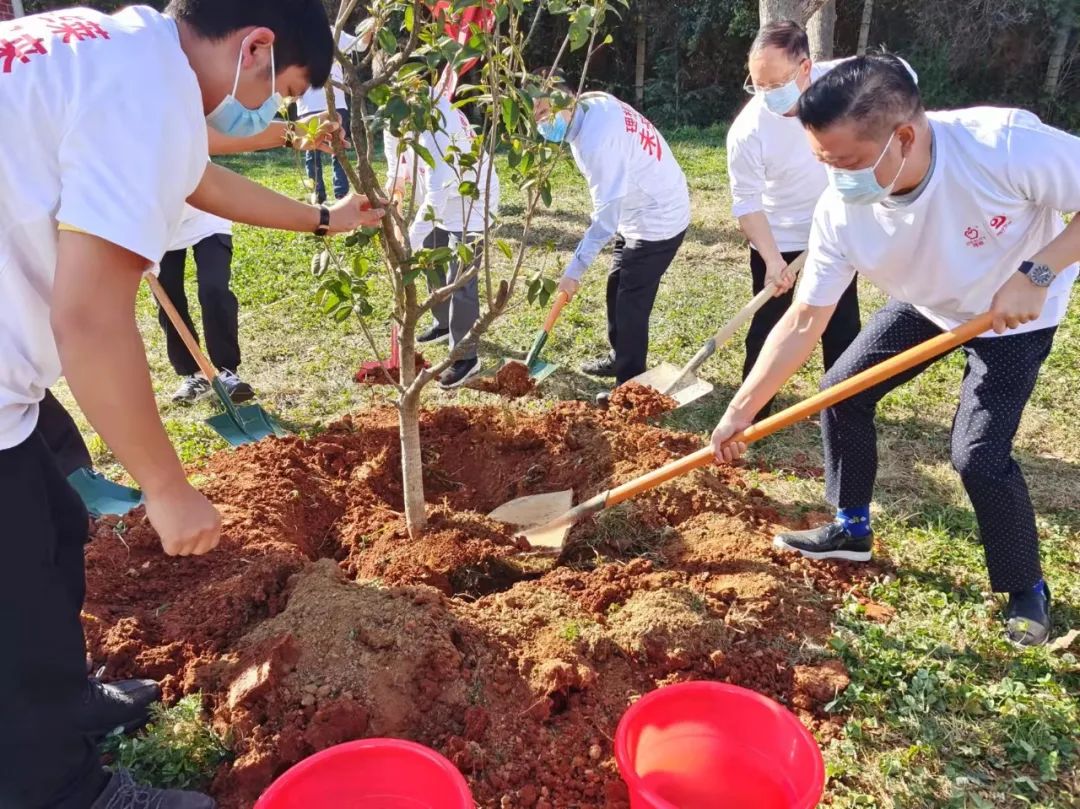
856,520
1040,587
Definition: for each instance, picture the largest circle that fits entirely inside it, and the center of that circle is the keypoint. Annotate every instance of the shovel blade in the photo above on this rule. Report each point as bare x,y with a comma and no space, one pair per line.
246,425
537,510
101,495
662,376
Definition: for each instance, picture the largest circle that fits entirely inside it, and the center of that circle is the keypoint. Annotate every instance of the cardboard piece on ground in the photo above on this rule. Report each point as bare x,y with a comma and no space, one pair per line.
537,510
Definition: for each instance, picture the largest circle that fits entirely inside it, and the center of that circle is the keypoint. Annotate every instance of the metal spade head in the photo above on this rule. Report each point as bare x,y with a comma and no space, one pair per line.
537,510
665,374
101,495
242,425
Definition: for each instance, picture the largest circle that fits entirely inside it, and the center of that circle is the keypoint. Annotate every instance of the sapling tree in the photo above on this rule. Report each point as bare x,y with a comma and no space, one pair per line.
409,54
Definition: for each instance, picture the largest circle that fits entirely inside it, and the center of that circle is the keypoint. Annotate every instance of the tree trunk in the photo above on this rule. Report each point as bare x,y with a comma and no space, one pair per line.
639,71
1057,54
412,464
798,10
821,30
864,27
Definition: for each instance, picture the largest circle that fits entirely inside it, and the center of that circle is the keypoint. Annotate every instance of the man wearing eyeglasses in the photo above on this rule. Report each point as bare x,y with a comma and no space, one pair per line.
776,182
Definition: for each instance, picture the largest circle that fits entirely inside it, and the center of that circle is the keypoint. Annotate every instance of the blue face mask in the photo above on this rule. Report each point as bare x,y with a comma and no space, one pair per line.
782,99
861,186
234,119
554,129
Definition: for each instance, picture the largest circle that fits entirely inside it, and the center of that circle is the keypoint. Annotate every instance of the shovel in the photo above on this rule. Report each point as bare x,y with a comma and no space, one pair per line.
237,425
552,534
680,383
101,496
538,369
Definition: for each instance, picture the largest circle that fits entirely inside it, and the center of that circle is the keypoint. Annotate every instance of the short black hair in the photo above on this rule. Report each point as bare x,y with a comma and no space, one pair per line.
876,91
302,36
787,35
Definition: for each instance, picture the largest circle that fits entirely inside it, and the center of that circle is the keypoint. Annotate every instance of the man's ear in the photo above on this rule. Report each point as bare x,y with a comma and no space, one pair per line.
257,40
906,135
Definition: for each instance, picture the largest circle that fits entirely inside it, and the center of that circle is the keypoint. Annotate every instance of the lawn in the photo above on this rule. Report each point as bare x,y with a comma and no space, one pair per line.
941,712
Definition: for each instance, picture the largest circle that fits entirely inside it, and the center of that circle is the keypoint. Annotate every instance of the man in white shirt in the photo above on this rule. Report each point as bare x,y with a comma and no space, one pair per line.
210,239
640,199
88,202
952,214
445,218
313,102
776,182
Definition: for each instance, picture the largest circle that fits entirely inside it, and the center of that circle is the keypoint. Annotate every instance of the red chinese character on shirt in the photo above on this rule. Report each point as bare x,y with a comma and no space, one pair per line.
650,142
629,122
69,26
21,48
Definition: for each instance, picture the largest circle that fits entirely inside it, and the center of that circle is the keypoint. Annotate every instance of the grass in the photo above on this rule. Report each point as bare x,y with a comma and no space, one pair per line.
176,750
941,712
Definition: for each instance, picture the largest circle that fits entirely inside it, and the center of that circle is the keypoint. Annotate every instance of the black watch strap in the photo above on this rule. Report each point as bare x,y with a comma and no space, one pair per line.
324,221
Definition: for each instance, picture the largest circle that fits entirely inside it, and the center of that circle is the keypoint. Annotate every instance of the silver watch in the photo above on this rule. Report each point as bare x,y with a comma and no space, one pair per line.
1039,274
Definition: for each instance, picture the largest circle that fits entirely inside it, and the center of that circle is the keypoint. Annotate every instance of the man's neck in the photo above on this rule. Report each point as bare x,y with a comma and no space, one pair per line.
203,57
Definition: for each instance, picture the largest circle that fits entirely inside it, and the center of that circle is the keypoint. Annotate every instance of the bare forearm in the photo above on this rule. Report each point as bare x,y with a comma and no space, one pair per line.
272,137
787,348
104,359
1062,251
756,228
227,194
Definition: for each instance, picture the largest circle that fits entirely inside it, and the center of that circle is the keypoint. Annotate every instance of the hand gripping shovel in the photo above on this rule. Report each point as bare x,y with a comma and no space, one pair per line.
552,534
237,425
538,369
681,383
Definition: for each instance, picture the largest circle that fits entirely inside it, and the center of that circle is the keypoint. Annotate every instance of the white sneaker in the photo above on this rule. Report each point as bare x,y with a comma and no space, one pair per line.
192,388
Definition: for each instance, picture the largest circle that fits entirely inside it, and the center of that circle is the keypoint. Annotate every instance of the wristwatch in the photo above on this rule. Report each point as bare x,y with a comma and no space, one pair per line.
324,221
1039,274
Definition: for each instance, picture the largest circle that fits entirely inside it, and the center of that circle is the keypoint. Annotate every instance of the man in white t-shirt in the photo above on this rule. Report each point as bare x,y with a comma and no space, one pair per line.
445,218
952,214
210,239
776,182
640,198
313,102
88,202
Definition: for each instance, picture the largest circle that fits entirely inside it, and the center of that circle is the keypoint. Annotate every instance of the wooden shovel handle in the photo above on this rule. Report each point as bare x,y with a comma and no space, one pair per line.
556,309
741,317
815,404
181,327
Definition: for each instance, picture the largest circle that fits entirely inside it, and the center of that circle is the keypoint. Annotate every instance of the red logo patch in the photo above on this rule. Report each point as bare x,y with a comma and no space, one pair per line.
1000,224
974,237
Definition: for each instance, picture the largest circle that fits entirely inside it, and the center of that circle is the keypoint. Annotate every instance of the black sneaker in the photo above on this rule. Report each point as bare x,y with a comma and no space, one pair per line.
192,388
119,707
239,390
123,793
831,541
459,373
433,335
1028,617
601,366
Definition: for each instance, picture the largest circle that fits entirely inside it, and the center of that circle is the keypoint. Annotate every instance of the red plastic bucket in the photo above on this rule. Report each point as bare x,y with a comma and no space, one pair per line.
705,745
372,774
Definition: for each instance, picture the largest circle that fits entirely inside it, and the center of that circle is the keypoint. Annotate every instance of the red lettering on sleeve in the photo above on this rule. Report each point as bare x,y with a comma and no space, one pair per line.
19,49
70,26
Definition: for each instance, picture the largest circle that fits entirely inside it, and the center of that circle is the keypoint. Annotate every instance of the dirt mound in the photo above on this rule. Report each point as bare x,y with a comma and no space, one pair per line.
512,381
640,402
319,619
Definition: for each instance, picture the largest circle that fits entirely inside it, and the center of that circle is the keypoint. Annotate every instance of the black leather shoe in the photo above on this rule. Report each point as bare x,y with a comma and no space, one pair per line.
119,707
830,541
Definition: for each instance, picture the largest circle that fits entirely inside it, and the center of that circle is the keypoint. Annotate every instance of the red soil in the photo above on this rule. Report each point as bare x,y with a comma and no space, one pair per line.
512,381
640,401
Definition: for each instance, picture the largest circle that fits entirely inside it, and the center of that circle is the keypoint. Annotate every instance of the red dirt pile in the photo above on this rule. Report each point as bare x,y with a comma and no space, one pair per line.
512,381
318,620
640,402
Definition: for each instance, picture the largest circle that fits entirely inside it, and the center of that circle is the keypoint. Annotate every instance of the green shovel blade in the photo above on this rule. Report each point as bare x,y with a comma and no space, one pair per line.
101,495
242,425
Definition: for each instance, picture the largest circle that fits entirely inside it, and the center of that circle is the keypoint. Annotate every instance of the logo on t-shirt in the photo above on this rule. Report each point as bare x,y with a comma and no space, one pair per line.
1000,223
19,44
975,237
638,124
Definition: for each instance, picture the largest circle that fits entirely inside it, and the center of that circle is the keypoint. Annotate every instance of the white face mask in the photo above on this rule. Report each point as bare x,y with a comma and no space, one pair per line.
861,186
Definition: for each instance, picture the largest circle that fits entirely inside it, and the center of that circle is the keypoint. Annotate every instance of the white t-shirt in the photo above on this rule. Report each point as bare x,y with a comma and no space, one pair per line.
104,131
314,100
196,226
436,188
771,169
623,156
992,202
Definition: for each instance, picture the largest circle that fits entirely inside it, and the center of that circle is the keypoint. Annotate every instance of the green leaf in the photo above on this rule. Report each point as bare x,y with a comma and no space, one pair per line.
505,248
545,193
469,190
424,154
511,113
387,40
379,95
409,19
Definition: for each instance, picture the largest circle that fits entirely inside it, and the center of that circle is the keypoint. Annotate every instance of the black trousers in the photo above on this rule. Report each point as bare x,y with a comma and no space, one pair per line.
998,381
45,761
632,285
62,436
842,328
220,309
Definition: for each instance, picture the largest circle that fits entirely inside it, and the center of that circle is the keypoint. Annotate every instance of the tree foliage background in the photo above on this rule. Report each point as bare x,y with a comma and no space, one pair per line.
967,52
